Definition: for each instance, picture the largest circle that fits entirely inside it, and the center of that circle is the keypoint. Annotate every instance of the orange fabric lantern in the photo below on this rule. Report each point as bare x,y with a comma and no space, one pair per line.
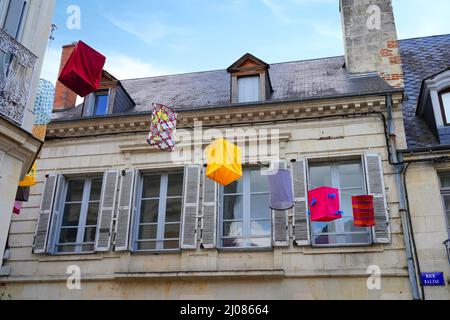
224,162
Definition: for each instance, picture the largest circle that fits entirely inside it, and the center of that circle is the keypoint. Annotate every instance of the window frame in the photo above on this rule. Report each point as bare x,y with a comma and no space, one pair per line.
256,75
83,215
442,106
161,221
444,191
246,216
334,163
102,92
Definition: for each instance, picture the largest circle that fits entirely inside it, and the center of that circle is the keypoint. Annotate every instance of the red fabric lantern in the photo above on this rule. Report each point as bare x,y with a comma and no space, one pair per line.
83,71
363,211
324,204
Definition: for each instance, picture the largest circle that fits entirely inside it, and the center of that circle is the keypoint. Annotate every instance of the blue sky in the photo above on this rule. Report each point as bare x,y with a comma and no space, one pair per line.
143,38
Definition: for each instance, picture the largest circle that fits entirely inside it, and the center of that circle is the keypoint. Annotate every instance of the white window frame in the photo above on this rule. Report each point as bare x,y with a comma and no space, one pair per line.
4,5
81,228
246,217
106,93
161,213
445,192
335,182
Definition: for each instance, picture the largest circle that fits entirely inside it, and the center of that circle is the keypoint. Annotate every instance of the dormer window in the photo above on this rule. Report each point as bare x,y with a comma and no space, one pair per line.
444,97
250,80
248,89
101,103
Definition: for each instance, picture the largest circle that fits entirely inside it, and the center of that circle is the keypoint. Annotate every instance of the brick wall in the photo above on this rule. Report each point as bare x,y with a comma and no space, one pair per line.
64,97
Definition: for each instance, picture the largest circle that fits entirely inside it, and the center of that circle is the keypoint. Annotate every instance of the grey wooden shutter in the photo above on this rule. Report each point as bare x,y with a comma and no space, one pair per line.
107,207
190,207
301,218
280,233
125,207
14,17
375,186
209,213
57,212
45,214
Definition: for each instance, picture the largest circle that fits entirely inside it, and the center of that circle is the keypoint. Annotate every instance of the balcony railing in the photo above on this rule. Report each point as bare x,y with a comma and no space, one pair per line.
16,72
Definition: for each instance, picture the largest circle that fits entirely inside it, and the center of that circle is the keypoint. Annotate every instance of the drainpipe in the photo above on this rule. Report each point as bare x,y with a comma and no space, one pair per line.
399,168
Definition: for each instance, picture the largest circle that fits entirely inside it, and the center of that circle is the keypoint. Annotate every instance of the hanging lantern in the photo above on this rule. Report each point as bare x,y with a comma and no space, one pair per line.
162,128
324,204
363,211
30,178
17,207
23,194
83,71
43,104
281,194
224,162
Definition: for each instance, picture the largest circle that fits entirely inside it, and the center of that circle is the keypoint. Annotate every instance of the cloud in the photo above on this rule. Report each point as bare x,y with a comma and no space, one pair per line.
150,30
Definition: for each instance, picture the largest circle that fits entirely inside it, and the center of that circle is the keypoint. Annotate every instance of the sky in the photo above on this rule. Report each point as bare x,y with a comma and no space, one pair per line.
143,38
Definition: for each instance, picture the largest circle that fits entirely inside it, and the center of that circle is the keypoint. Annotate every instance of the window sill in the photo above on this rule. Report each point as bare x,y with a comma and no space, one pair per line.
268,249
342,249
71,257
155,252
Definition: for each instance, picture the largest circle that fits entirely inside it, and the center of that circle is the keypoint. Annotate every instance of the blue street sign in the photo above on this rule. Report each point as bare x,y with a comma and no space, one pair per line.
433,278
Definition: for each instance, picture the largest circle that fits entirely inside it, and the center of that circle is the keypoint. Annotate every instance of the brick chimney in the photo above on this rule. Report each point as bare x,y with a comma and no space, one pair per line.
370,38
64,97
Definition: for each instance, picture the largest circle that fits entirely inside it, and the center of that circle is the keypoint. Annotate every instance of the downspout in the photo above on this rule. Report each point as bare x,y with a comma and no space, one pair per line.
399,168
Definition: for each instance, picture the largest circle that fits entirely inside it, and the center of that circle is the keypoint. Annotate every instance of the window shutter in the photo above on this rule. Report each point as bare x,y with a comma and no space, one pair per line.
280,234
45,214
209,213
124,211
301,219
190,206
375,185
107,206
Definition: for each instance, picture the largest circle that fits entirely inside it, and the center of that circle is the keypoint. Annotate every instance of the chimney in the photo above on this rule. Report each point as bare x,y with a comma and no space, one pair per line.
64,97
370,38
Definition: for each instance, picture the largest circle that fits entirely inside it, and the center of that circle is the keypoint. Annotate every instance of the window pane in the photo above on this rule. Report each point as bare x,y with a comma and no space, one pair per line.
261,228
260,207
92,214
232,229
68,235
101,104
151,245
233,207
233,243
446,101
171,244
88,247
148,232
175,186
324,227
75,190
259,183
235,187
89,234
149,211
248,89
173,210
66,249
445,179
172,231
350,175
71,214
261,242
96,190
151,187
320,176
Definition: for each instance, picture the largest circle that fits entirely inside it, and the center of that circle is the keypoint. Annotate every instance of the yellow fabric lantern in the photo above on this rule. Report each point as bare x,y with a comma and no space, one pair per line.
224,162
30,178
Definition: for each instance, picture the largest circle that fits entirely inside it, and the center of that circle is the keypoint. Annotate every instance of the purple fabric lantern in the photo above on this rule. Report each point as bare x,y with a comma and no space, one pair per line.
281,194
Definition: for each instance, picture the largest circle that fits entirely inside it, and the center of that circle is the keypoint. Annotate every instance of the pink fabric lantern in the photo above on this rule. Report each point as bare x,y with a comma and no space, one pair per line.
324,204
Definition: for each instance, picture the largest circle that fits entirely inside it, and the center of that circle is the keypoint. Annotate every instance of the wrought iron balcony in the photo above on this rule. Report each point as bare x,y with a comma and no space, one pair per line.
16,72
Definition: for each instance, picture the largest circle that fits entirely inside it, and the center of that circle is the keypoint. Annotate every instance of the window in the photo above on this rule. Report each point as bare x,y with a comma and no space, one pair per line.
444,97
81,206
160,207
445,191
14,17
101,103
348,178
246,214
248,89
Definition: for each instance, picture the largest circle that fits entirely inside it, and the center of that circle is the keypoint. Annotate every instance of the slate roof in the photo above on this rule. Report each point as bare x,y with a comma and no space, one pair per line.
297,80
422,58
